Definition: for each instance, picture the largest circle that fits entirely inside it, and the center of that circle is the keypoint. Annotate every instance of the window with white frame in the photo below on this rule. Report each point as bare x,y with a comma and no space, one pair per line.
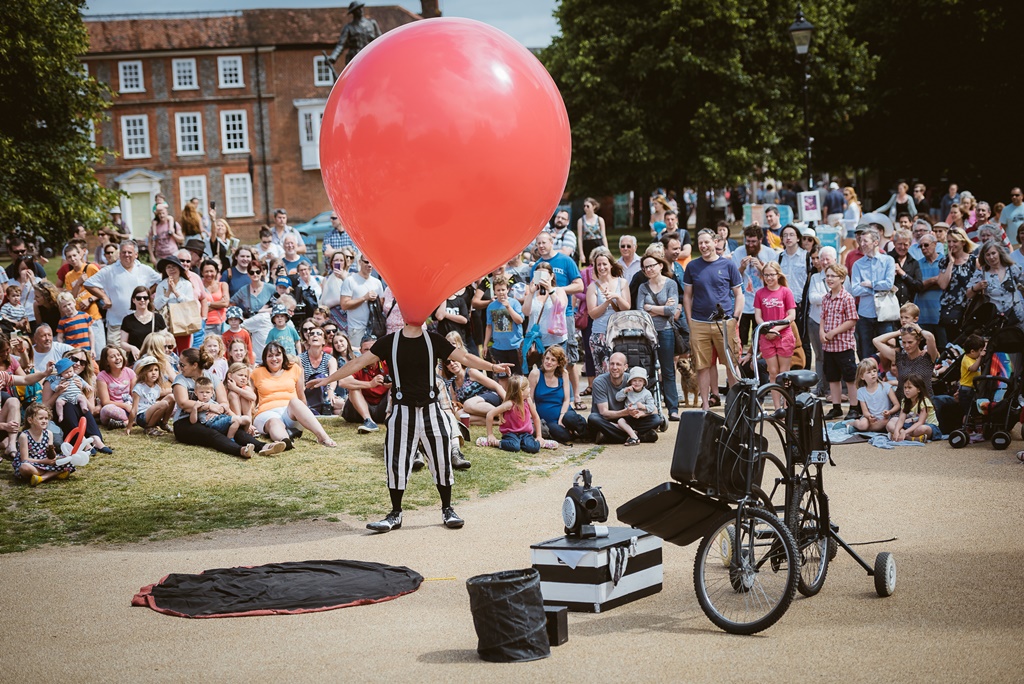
135,136
229,71
185,77
234,131
192,186
130,77
323,75
238,192
189,129
311,114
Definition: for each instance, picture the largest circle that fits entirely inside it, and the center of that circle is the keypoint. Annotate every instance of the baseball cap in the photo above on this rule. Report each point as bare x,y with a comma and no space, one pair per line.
283,282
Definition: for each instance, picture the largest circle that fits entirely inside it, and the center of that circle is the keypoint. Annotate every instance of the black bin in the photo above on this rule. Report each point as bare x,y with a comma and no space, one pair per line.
508,614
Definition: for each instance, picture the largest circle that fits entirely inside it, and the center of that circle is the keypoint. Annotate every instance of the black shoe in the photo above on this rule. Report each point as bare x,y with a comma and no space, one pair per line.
393,521
673,416
779,414
105,450
852,414
649,437
459,461
418,462
451,519
599,438
835,414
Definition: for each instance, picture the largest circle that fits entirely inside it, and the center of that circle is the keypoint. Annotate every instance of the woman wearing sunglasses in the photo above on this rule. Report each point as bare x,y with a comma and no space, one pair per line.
140,322
72,412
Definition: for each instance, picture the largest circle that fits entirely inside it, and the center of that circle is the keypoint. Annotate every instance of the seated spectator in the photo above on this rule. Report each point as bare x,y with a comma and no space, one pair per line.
72,414
214,346
160,345
316,363
241,397
10,406
114,388
238,352
367,388
282,399
33,459
549,387
194,364
12,313
236,333
471,388
607,409
152,403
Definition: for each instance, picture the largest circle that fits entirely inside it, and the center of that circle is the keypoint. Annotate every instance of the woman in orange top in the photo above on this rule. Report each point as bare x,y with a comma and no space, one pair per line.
281,396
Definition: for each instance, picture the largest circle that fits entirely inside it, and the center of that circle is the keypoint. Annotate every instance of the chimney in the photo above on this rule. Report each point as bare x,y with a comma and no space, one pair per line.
430,9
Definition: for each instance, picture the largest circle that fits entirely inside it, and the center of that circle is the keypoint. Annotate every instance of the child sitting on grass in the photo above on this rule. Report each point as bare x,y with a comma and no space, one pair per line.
203,411
214,346
878,402
74,392
520,422
152,403
241,397
35,459
636,395
916,421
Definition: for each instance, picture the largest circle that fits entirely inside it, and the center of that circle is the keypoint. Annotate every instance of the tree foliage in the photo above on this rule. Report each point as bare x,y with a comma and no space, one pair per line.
46,105
690,92
942,103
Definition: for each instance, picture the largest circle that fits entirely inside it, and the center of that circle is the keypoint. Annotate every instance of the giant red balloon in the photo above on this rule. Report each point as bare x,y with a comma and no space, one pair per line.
444,148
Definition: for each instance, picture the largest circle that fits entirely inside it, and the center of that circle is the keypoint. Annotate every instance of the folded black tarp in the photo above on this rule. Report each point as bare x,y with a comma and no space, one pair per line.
278,589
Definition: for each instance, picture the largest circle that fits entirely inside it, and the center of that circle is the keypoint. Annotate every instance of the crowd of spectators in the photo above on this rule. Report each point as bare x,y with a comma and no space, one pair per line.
266,320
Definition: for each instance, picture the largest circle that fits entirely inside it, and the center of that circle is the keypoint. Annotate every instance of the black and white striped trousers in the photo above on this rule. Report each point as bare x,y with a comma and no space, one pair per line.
410,426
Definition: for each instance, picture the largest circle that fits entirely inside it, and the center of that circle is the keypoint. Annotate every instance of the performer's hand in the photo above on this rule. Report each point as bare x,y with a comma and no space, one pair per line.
316,382
501,368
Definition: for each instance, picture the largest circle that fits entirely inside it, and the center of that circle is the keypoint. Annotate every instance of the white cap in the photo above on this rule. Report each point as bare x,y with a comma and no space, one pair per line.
833,186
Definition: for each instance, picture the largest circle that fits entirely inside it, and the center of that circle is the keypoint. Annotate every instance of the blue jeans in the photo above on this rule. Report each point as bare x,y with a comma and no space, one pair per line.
867,330
574,426
666,357
515,441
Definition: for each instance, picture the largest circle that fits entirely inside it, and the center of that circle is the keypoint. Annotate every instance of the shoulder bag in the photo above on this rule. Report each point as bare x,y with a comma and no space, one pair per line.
887,306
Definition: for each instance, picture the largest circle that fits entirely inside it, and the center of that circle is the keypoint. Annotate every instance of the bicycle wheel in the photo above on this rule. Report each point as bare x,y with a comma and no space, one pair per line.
750,589
809,523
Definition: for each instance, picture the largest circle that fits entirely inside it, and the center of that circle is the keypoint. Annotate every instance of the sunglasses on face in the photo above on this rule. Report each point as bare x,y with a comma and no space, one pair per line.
168,347
330,331
77,362
142,298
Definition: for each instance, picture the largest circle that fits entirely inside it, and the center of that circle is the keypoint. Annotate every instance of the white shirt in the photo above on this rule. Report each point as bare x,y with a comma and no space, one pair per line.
118,284
356,286
631,270
162,295
56,353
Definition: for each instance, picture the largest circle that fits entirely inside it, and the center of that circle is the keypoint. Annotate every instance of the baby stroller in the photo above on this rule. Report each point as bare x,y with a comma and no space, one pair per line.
633,333
997,392
981,320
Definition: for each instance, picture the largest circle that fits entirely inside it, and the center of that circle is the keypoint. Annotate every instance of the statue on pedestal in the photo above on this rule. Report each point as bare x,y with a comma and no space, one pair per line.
356,35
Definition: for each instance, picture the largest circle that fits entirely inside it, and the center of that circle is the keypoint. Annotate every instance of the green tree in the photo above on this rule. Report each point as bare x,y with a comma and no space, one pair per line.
47,104
690,92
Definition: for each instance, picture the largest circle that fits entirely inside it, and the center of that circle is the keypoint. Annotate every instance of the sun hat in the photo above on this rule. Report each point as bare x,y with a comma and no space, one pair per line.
234,312
161,266
278,310
115,210
62,365
141,364
637,372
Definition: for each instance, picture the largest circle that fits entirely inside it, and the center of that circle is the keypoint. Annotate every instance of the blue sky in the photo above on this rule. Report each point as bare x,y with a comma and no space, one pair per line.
528,21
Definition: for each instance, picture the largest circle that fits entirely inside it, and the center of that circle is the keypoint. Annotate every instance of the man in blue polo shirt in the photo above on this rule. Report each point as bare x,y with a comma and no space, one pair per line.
707,282
567,277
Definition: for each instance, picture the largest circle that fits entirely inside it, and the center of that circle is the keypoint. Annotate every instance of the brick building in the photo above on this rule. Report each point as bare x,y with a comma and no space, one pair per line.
224,106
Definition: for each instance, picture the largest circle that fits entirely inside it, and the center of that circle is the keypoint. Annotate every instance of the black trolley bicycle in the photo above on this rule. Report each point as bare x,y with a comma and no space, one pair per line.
754,554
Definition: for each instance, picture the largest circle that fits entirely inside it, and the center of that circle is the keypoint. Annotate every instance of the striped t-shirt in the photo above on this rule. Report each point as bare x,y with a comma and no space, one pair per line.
76,330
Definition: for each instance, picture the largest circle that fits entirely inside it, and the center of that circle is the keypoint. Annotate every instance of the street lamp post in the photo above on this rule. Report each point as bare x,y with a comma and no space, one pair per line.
802,31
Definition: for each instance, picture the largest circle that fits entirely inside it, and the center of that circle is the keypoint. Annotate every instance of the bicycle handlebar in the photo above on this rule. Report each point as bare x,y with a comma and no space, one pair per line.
754,345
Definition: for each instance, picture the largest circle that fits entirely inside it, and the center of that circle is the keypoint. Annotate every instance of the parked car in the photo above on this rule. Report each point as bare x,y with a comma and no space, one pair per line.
311,230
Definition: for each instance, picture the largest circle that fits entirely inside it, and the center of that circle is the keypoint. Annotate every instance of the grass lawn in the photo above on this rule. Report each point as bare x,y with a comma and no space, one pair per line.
155,488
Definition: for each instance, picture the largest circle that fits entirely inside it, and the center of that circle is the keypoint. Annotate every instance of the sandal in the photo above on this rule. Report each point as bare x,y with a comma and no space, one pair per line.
329,443
587,392
632,441
579,406
272,449
155,432
714,400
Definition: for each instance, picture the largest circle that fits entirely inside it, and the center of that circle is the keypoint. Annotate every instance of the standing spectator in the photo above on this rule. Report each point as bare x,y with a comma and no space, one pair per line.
816,292
74,281
223,242
708,282
191,220
955,272
267,251
358,289
543,304
18,250
774,302
948,200
281,230
140,322
749,261
1012,216
114,284
504,328
292,258
330,296
1018,254
834,203
217,297
1001,280
899,203
590,229
336,238
606,294
165,234
628,261
659,297
237,274
256,297
908,271
75,327
873,272
452,315
562,237
920,202
795,262
838,320
175,288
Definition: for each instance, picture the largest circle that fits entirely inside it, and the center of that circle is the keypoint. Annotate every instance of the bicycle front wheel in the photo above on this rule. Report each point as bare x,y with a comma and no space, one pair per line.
745,576
809,522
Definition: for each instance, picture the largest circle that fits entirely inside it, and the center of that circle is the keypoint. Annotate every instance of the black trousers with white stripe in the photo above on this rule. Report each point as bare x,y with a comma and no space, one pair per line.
410,426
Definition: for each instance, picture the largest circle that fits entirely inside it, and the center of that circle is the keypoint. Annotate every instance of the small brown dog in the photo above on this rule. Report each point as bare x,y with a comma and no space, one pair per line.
687,381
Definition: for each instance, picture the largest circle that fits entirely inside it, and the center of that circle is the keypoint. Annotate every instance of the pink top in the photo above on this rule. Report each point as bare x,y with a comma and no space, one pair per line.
518,422
774,305
119,389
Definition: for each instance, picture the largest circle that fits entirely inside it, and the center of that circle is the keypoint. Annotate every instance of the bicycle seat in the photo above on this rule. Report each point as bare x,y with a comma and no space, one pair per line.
802,379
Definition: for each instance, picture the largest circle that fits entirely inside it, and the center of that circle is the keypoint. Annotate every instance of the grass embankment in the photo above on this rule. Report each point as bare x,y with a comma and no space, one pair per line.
155,488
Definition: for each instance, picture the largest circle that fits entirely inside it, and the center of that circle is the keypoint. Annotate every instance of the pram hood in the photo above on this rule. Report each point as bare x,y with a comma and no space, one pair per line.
630,324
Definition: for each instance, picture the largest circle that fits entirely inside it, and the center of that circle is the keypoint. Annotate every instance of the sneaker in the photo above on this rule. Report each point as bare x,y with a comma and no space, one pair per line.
451,519
852,414
273,448
367,426
116,424
649,437
835,414
35,480
247,451
459,461
393,521
63,475
673,416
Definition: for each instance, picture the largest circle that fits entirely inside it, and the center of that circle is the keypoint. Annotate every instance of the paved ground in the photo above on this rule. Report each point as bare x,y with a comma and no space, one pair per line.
956,616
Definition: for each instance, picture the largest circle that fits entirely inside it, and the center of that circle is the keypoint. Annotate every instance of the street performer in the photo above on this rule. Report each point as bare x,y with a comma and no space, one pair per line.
416,416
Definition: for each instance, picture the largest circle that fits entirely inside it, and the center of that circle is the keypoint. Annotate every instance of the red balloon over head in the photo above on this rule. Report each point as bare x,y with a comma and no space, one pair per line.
444,148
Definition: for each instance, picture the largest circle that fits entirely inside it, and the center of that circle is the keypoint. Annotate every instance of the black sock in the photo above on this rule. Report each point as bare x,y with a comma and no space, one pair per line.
837,407
446,495
396,499
288,444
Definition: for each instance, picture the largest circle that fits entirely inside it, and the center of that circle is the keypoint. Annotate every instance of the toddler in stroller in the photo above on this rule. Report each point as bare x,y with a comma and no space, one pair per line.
996,404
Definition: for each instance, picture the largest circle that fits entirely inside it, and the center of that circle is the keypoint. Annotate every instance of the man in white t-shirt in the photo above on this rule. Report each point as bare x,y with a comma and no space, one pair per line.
44,349
358,289
114,285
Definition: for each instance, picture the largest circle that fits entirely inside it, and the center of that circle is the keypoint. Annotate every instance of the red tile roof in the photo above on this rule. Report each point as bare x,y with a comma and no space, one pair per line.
229,29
